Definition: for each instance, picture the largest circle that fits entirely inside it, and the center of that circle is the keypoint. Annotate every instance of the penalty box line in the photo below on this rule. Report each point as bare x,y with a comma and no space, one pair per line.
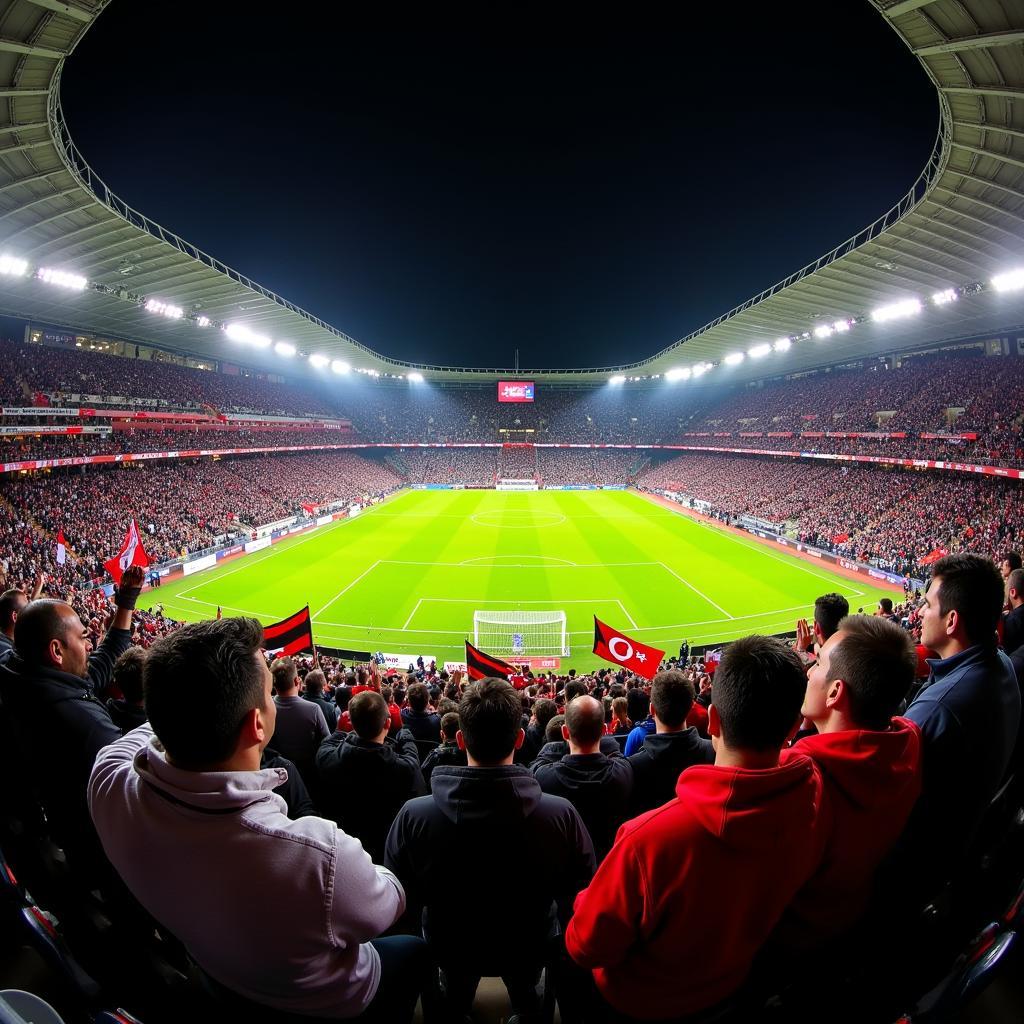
474,601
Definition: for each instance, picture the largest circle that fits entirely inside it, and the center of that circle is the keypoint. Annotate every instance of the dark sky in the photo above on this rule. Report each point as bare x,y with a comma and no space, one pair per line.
587,191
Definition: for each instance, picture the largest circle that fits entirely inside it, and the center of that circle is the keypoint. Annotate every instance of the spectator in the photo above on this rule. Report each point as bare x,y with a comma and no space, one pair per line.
52,688
596,784
638,706
690,891
885,610
621,723
1013,623
301,726
491,812
191,822
293,790
365,776
313,691
448,752
543,711
829,611
870,762
128,711
423,723
673,746
968,713
12,603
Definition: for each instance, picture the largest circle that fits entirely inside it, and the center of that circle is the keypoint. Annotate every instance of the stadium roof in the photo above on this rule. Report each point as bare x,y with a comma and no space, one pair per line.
959,224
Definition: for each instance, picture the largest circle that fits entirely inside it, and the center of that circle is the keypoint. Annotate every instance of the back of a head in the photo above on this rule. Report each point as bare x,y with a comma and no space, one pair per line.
639,705
1012,559
1015,582
314,682
490,718
876,660
220,660
584,718
759,689
127,675
553,730
418,697
544,710
285,674
885,604
450,725
672,697
38,623
11,603
342,697
368,712
971,586
829,611
574,688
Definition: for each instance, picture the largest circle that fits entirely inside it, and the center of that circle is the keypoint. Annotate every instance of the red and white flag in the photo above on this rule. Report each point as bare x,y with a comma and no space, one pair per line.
132,553
62,548
619,649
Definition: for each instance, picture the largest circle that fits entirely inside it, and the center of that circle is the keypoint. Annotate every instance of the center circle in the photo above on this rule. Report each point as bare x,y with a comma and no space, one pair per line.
513,519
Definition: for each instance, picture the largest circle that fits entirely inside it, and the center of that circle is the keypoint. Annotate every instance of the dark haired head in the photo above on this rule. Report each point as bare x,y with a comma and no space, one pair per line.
490,718
368,712
11,604
285,674
41,622
314,682
449,725
220,660
759,688
829,611
574,688
418,696
127,675
553,730
972,587
544,710
638,705
672,697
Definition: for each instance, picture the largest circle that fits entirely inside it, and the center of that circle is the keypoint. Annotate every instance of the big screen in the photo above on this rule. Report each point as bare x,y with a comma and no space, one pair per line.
515,390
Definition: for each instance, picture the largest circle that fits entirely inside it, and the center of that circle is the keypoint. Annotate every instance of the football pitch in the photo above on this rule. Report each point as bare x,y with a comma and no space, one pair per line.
406,576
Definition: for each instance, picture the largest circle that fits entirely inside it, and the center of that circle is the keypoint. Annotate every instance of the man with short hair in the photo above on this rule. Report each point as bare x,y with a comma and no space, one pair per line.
421,722
595,783
885,610
365,776
488,814
313,691
671,748
968,712
691,890
1013,622
128,711
448,751
829,611
301,726
870,762
12,603
52,688
191,823
543,711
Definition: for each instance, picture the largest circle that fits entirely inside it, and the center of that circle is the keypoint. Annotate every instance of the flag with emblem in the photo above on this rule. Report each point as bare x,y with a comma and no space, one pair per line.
614,646
132,553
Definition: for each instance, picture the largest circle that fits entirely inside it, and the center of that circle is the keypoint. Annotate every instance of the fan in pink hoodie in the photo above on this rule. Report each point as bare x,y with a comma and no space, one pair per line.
871,766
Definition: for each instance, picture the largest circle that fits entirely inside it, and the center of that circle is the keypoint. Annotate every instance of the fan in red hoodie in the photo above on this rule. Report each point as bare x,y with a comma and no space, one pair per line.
871,764
691,890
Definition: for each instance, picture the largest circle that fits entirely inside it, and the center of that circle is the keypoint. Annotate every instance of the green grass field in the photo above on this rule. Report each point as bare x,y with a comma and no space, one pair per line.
406,576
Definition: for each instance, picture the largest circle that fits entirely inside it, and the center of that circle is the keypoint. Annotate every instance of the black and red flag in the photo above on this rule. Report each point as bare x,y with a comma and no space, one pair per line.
289,636
480,665
619,649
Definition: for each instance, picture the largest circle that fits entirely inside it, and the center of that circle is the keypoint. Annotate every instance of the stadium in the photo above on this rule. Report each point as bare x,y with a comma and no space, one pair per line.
821,483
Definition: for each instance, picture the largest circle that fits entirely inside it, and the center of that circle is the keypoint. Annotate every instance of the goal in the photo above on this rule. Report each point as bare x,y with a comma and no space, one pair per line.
519,633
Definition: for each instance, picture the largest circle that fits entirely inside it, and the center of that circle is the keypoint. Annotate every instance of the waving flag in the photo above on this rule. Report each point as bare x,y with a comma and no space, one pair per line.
289,636
132,553
480,665
62,548
619,649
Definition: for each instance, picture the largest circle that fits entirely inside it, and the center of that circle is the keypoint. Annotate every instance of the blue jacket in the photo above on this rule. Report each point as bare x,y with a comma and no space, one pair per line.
635,740
969,715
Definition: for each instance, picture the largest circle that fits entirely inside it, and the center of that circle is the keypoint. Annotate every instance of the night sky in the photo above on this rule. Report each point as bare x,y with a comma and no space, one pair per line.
447,191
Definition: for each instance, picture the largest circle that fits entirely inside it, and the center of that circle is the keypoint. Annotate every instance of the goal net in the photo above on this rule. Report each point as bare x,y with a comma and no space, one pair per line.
519,633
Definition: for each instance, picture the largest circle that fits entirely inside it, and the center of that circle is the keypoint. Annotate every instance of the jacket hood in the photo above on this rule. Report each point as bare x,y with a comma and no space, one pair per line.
734,803
507,793
669,744
865,765
207,792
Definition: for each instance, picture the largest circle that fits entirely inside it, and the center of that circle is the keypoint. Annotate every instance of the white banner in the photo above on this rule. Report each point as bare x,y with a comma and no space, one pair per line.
517,485
354,510
454,666
206,562
257,545
403,661
324,520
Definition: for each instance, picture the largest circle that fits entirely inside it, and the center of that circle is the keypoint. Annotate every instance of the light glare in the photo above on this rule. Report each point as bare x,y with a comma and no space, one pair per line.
415,377
896,310
318,360
783,345
340,366
734,359
1010,281
12,266
62,278
617,379
944,297
284,348
759,350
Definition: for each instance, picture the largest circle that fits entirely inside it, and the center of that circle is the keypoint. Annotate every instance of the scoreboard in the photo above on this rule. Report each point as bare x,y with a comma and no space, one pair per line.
515,390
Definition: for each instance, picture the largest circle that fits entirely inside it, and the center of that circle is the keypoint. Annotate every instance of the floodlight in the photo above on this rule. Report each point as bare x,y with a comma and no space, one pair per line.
617,379
759,350
734,359
1010,281
318,360
416,378
896,310
783,345
203,321
284,348
841,326
239,332
944,297
164,309
13,266
340,366
700,369
824,331
61,277
679,373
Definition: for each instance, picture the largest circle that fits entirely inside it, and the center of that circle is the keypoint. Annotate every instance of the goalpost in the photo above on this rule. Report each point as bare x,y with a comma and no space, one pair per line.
521,633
